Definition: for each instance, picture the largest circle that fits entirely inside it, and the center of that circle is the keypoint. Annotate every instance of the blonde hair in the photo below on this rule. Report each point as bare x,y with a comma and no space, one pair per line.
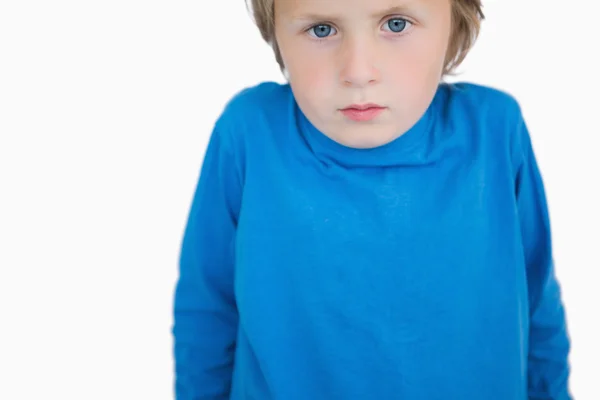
467,16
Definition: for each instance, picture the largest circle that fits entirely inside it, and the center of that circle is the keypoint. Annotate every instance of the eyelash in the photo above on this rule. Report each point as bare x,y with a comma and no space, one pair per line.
407,22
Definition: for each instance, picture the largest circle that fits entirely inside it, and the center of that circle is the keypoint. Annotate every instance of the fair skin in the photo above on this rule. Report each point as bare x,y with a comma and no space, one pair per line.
341,53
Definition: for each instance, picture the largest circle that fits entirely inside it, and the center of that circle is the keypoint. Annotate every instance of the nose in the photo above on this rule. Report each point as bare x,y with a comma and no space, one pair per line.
358,63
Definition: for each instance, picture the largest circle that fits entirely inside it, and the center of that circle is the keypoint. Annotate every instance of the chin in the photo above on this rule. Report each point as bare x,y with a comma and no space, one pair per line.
366,142
370,138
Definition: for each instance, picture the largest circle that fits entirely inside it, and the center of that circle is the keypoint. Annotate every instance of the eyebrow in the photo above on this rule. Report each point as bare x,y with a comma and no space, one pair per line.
375,15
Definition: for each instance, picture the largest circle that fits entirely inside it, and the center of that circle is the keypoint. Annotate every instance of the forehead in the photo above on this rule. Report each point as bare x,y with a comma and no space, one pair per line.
314,9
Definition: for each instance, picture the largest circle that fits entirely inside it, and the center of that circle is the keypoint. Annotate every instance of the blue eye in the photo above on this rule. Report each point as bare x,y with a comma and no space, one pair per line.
322,31
397,25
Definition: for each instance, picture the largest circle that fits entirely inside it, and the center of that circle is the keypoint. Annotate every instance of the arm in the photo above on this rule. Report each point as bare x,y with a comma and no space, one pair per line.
549,343
205,315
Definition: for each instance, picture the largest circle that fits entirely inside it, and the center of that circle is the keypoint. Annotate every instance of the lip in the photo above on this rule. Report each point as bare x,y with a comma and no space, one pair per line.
363,112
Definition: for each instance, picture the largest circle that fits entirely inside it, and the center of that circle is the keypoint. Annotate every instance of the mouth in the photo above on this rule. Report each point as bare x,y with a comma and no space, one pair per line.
363,112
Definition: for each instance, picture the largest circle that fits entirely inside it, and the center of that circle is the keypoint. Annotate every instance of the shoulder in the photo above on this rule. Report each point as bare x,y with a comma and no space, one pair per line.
253,109
260,99
482,101
491,116
246,119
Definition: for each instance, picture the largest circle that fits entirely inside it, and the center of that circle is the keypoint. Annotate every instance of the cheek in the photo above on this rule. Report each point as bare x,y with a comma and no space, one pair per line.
427,60
407,72
311,77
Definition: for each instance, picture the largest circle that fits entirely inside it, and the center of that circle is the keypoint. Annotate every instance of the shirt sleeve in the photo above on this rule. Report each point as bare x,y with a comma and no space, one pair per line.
549,343
205,314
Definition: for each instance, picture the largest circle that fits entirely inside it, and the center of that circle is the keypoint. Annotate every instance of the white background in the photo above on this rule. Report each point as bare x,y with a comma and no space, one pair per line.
105,111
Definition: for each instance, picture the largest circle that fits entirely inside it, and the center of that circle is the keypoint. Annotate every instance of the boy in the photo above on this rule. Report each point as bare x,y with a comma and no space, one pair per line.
365,231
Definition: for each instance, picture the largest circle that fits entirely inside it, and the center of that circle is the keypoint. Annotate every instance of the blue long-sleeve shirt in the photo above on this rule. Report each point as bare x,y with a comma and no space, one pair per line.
421,269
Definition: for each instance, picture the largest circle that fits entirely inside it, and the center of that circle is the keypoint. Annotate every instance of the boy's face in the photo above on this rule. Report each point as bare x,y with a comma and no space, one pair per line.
340,53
